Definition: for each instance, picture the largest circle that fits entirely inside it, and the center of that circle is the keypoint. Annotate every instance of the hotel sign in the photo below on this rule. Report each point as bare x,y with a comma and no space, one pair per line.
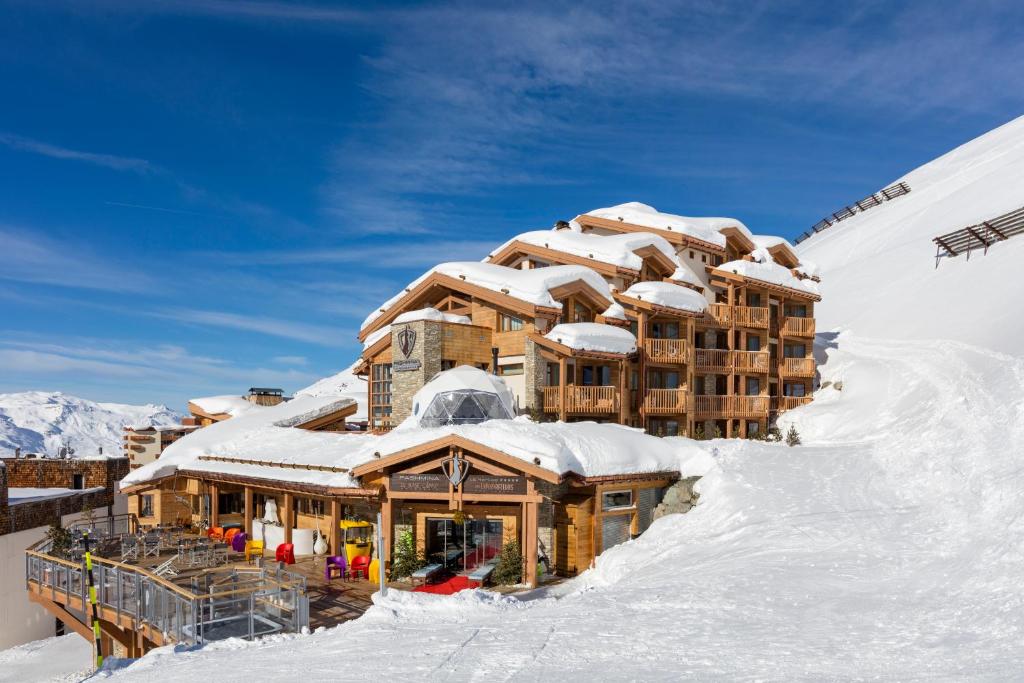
405,365
475,484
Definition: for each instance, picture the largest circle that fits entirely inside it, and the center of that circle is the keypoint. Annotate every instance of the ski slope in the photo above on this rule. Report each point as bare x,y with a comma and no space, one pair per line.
887,546
879,274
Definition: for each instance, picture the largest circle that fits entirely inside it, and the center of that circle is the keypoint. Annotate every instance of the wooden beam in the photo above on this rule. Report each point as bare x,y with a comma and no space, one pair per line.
247,496
214,505
288,517
562,393
335,535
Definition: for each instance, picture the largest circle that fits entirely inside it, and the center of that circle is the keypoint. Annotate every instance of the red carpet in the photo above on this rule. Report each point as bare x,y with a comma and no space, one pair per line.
448,586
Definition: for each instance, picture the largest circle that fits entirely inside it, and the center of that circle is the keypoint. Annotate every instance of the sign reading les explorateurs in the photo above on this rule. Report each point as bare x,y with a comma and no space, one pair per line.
480,483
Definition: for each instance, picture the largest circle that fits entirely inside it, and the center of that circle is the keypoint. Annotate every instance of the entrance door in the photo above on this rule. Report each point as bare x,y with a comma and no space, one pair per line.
463,547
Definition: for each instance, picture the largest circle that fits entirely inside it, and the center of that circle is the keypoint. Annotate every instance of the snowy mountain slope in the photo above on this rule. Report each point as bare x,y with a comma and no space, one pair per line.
344,384
878,268
42,422
889,545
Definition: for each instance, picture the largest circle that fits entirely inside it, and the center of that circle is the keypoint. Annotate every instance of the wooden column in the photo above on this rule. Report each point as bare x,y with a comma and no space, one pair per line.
530,534
214,506
562,379
386,512
249,512
641,380
731,382
335,535
624,392
691,386
288,517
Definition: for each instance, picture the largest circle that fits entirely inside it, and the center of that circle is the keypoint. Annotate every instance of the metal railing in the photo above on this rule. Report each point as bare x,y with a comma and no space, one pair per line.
217,604
871,201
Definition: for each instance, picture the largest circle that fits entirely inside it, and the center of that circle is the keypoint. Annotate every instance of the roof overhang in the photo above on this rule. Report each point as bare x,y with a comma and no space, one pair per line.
736,278
738,238
199,412
515,249
784,255
569,352
674,237
640,304
329,418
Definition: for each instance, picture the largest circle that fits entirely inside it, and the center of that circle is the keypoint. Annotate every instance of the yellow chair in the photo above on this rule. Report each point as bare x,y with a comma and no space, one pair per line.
253,548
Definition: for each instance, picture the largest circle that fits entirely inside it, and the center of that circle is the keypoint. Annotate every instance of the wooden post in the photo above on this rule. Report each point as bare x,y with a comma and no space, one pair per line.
288,517
248,512
384,553
214,506
691,340
731,382
562,379
641,380
623,392
530,534
335,535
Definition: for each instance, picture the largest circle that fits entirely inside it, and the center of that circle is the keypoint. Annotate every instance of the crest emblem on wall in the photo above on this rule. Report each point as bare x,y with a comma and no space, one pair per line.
407,341
456,469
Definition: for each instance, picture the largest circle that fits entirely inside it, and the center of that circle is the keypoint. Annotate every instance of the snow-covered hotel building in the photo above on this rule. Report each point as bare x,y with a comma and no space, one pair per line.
682,326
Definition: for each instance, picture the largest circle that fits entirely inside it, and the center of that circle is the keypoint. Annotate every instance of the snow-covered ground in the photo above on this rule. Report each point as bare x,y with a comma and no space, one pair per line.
63,658
43,421
890,545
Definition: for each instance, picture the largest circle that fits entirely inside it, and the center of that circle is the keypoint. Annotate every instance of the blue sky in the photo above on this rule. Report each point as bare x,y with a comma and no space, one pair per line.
200,196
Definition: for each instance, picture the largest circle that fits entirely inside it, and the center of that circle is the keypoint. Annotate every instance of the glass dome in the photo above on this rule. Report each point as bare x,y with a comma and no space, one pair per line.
463,406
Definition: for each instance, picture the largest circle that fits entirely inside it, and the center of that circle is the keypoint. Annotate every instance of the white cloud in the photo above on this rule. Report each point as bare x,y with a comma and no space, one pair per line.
307,332
118,163
291,360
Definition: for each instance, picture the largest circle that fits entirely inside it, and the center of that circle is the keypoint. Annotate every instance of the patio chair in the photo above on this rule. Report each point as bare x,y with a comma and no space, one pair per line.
151,545
231,533
285,553
361,564
253,549
336,564
238,542
129,549
215,533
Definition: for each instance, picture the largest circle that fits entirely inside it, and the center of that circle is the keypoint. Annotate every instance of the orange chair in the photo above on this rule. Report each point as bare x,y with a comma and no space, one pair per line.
215,533
361,564
231,533
285,553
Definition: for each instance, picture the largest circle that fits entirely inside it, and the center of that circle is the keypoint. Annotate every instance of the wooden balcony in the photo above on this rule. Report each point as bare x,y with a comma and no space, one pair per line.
750,316
665,401
730,406
667,350
798,327
789,402
720,314
751,361
581,400
712,360
797,367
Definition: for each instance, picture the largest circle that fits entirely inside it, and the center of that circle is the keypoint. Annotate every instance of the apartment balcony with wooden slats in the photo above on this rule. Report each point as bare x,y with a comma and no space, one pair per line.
750,316
751,361
581,400
720,314
667,350
789,402
797,367
712,360
705,407
665,401
798,327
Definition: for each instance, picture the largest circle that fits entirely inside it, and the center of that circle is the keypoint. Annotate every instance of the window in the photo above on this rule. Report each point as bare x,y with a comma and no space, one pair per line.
703,258
795,390
716,260
691,253
753,428
447,364
616,500
753,343
794,351
796,311
665,330
753,386
511,369
664,427
581,314
146,506
508,323
78,481
754,300
380,391
597,375
552,375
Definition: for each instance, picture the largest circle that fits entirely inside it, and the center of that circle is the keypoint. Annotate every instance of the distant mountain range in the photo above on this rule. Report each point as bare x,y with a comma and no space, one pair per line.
43,422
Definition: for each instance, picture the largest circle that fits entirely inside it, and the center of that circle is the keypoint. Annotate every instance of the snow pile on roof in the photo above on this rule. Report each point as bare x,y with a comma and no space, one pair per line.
532,286
225,404
685,274
881,263
442,397
706,229
669,295
593,337
615,311
765,269
617,250
44,421
428,313
345,384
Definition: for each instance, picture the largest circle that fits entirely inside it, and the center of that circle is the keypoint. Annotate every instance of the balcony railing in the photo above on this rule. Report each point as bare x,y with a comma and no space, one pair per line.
798,327
751,361
713,360
720,313
797,367
583,400
730,406
667,350
789,402
665,401
751,316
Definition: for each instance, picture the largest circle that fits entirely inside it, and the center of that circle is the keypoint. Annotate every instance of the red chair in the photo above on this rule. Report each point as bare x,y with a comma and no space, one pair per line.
215,533
360,564
285,553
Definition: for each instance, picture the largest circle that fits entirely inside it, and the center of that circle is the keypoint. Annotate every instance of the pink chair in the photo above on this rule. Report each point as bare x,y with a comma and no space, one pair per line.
285,553
336,565
361,564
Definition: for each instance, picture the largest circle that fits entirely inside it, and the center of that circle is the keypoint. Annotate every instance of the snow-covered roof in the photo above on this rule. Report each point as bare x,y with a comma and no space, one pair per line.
593,337
17,495
617,250
428,313
769,241
344,384
764,268
532,286
669,295
615,311
226,404
461,379
635,213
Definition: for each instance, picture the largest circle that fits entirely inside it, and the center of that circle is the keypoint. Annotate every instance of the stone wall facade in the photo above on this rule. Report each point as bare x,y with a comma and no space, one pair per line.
423,361
546,517
534,371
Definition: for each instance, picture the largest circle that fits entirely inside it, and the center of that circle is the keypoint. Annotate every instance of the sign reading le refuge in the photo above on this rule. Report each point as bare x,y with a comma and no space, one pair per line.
475,483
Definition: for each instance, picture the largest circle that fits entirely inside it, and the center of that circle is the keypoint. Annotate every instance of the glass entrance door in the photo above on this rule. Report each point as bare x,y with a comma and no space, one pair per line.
463,547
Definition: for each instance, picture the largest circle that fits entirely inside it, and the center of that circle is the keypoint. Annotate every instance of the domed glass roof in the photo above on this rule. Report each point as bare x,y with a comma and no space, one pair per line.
463,406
